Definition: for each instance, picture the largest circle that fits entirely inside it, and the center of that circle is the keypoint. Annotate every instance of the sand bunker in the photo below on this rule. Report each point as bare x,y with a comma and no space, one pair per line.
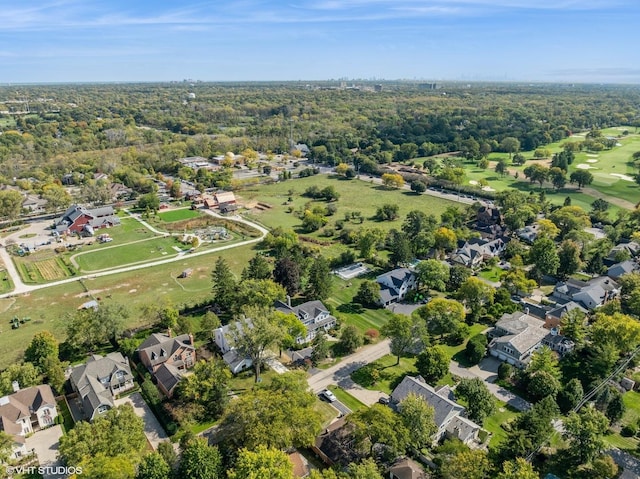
592,161
623,177
591,155
473,182
584,166
487,188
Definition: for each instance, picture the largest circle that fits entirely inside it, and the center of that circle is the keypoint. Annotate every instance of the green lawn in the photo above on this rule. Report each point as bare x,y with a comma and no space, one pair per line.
327,412
456,352
631,416
504,413
49,307
492,274
355,195
342,295
120,255
67,419
178,215
347,399
6,284
389,374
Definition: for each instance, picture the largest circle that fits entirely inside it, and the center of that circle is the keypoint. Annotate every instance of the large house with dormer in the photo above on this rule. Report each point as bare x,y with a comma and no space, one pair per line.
25,412
313,314
449,416
516,336
99,381
167,358
395,284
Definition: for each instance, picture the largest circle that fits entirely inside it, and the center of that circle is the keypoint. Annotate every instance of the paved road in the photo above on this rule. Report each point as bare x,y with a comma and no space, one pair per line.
630,464
485,371
21,288
340,373
45,444
152,428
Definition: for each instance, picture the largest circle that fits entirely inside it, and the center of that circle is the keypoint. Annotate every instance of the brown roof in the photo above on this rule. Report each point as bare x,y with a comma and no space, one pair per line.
300,464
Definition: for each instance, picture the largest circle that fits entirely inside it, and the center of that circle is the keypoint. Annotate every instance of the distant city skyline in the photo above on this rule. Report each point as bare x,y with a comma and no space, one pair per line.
568,41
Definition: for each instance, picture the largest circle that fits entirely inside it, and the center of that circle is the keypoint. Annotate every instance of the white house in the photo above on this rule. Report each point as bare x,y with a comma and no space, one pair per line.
25,412
395,284
230,355
313,314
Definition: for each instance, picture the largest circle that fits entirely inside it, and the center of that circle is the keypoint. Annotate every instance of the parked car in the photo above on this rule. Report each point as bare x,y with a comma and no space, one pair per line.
328,395
384,400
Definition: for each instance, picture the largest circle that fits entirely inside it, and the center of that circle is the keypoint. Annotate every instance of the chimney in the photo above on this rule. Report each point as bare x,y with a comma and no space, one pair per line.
288,300
16,386
191,339
526,310
169,332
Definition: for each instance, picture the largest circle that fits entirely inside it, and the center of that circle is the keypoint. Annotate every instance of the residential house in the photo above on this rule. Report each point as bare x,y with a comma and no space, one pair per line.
394,285
119,191
449,415
25,412
529,233
236,361
488,216
313,314
167,358
78,219
590,294
99,381
336,444
618,270
477,250
34,204
406,468
624,250
516,336
224,197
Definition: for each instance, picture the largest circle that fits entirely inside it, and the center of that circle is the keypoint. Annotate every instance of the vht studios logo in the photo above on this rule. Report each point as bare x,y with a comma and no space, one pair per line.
55,471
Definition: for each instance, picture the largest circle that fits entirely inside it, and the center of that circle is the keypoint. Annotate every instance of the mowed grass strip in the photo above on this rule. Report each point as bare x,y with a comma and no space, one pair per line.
179,215
347,399
156,248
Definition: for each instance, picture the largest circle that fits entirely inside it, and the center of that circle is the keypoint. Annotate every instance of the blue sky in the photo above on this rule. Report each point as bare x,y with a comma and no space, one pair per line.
158,40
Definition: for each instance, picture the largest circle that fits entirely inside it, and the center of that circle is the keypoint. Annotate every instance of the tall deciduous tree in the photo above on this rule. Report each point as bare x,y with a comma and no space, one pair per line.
405,332
433,274
433,364
475,293
418,417
585,431
379,425
279,415
442,316
417,221
89,328
350,339
480,402
518,469
254,332
258,268
569,257
263,463
471,464
368,293
319,284
153,466
287,273
207,386
544,256
201,461
43,345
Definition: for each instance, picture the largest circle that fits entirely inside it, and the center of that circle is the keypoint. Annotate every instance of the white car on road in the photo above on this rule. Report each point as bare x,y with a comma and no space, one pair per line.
328,395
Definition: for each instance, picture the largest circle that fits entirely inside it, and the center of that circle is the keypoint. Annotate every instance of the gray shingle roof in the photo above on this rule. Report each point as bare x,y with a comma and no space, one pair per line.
159,347
444,408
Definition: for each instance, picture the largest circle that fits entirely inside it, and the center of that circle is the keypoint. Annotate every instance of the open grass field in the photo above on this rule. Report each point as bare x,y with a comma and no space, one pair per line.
355,195
631,416
6,284
178,215
119,255
342,294
48,307
504,413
